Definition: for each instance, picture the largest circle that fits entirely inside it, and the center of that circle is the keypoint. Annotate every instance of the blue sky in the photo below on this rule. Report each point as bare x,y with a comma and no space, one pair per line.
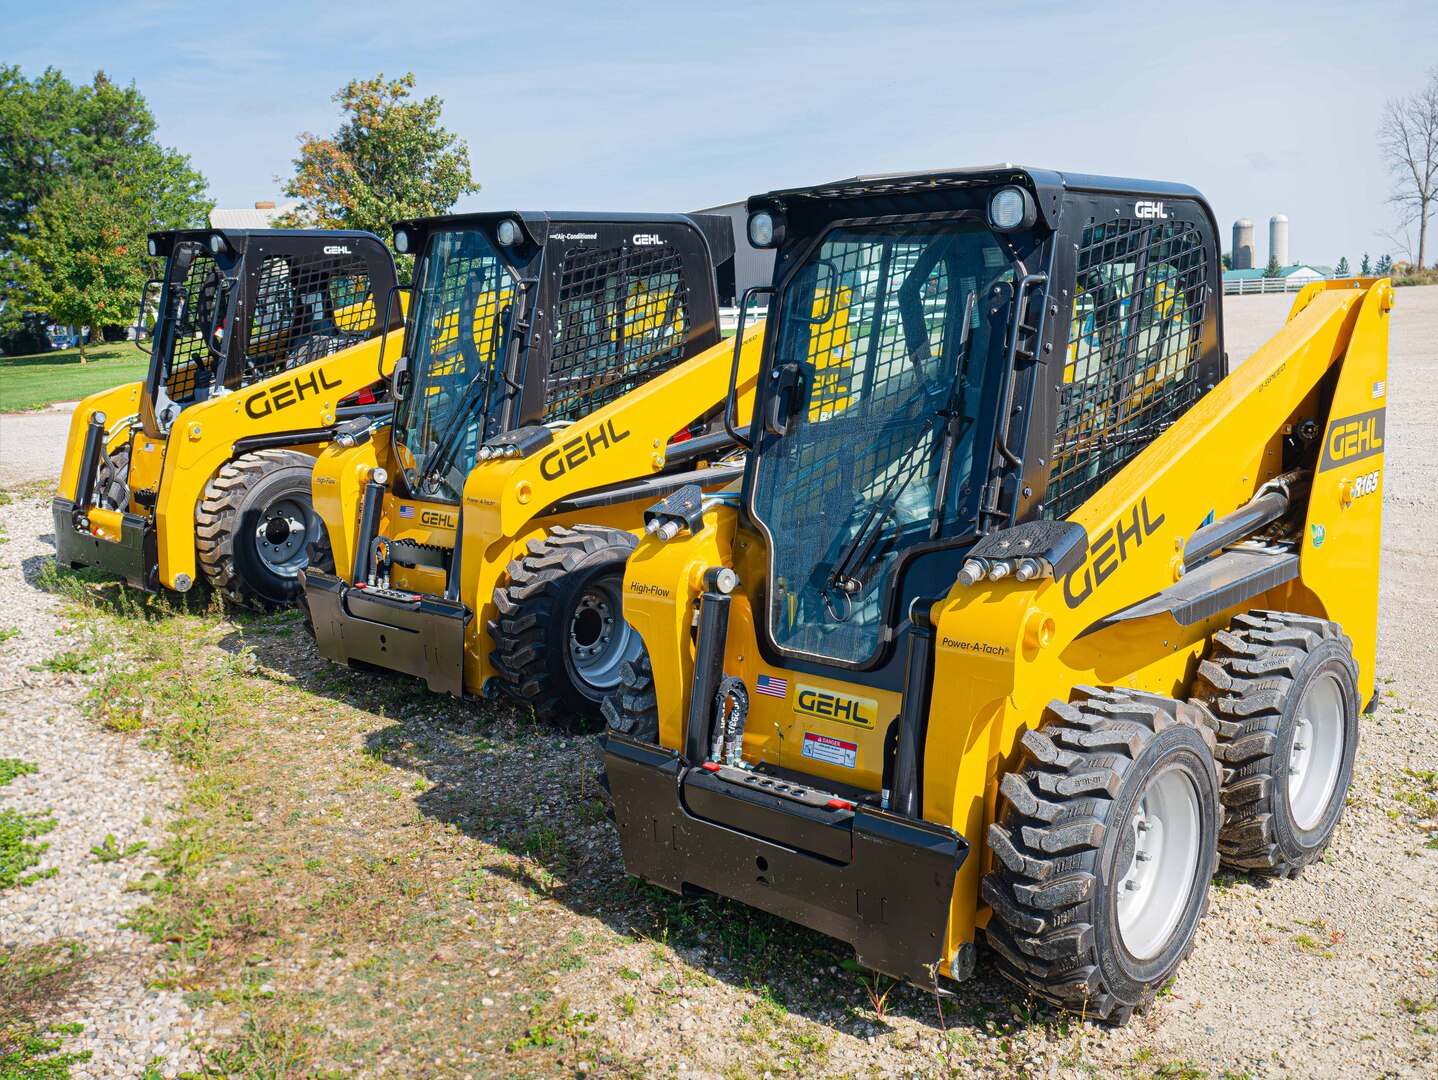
625,105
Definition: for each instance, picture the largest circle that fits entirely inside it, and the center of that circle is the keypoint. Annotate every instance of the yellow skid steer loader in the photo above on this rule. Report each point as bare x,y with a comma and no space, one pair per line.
263,341
562,372
1027,611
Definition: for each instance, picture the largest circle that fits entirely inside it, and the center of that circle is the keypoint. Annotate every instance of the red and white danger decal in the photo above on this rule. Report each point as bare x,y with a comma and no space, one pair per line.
834,751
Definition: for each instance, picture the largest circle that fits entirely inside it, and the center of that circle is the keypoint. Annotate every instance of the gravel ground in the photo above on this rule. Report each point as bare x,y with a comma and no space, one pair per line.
1301,978
32,444
94,783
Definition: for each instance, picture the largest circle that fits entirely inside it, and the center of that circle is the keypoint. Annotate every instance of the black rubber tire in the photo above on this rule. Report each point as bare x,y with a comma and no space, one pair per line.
226,520
1062,839
1252,683
536,605
111,490
634,708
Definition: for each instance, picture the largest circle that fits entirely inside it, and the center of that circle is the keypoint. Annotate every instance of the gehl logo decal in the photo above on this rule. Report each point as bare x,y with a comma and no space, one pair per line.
291,392
336,249
1106,554
1352,438
1146,208
811,701
576,451
437,519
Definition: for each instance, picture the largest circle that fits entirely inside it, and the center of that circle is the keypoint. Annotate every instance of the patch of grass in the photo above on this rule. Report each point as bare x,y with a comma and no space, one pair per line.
32,981
7,632
13,767
31,382
17,853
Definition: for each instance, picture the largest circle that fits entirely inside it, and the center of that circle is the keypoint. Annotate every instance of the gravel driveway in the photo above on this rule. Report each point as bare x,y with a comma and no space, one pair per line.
1301,978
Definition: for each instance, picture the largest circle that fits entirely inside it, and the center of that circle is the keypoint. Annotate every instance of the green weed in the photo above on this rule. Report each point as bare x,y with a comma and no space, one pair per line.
13,767
111,851
17,853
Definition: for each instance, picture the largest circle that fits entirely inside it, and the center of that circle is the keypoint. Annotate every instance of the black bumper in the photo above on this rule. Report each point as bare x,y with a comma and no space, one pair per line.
879,881
133,557
423,637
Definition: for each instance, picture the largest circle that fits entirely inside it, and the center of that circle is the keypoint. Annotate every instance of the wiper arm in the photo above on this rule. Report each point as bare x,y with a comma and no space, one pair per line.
953,420
844,577
439,457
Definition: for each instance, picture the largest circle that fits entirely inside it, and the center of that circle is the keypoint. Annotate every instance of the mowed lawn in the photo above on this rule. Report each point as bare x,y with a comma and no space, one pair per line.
30,382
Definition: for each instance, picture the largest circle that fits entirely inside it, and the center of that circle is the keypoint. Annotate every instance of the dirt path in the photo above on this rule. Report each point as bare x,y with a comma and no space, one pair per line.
32,446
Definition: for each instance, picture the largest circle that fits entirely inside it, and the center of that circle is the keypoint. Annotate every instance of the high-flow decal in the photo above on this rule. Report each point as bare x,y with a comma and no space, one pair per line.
576,451
1352,438
644,588
1107,553
290,392
827,705
834,751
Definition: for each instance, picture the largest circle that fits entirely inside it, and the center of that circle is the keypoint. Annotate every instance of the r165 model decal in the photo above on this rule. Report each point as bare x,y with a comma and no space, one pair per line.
1366,484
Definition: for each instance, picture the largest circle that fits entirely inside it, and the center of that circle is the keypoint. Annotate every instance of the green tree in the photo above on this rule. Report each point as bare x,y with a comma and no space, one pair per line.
1227,261
1342,270
1272,270
79,261
1384,266
55,135
1365,268
389,159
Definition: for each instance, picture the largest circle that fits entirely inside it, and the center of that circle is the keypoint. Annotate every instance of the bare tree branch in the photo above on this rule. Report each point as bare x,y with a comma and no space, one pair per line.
1408,141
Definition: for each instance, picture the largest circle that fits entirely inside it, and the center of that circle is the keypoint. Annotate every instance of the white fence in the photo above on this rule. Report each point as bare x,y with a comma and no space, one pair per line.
1245,286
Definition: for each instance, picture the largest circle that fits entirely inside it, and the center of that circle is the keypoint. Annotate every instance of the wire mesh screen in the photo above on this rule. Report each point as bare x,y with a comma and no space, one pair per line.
307,306
623,319
874,326
196,287
460,318
1132,366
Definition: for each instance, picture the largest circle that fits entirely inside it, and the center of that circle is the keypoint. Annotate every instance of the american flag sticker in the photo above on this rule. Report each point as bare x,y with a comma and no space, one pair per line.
768,684
406,511
1379,389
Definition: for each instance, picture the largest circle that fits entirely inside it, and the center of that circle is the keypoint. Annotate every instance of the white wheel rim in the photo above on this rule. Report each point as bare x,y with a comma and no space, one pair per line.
1315,756
1152,895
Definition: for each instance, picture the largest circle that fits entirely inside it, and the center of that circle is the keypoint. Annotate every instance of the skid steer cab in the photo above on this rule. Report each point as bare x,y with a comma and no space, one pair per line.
1027,611
561,373
261,342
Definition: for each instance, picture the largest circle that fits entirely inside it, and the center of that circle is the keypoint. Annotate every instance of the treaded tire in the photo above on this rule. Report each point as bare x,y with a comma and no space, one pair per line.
1253,684
634,708
229,514
537,608
1065,838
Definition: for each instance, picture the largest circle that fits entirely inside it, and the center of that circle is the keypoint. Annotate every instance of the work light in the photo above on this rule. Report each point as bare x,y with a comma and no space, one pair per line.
154,248
508,232
217,243
1011,208
401,241
765,229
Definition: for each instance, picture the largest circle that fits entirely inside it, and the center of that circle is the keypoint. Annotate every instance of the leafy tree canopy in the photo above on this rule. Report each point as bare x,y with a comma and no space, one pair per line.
82,180
391,158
